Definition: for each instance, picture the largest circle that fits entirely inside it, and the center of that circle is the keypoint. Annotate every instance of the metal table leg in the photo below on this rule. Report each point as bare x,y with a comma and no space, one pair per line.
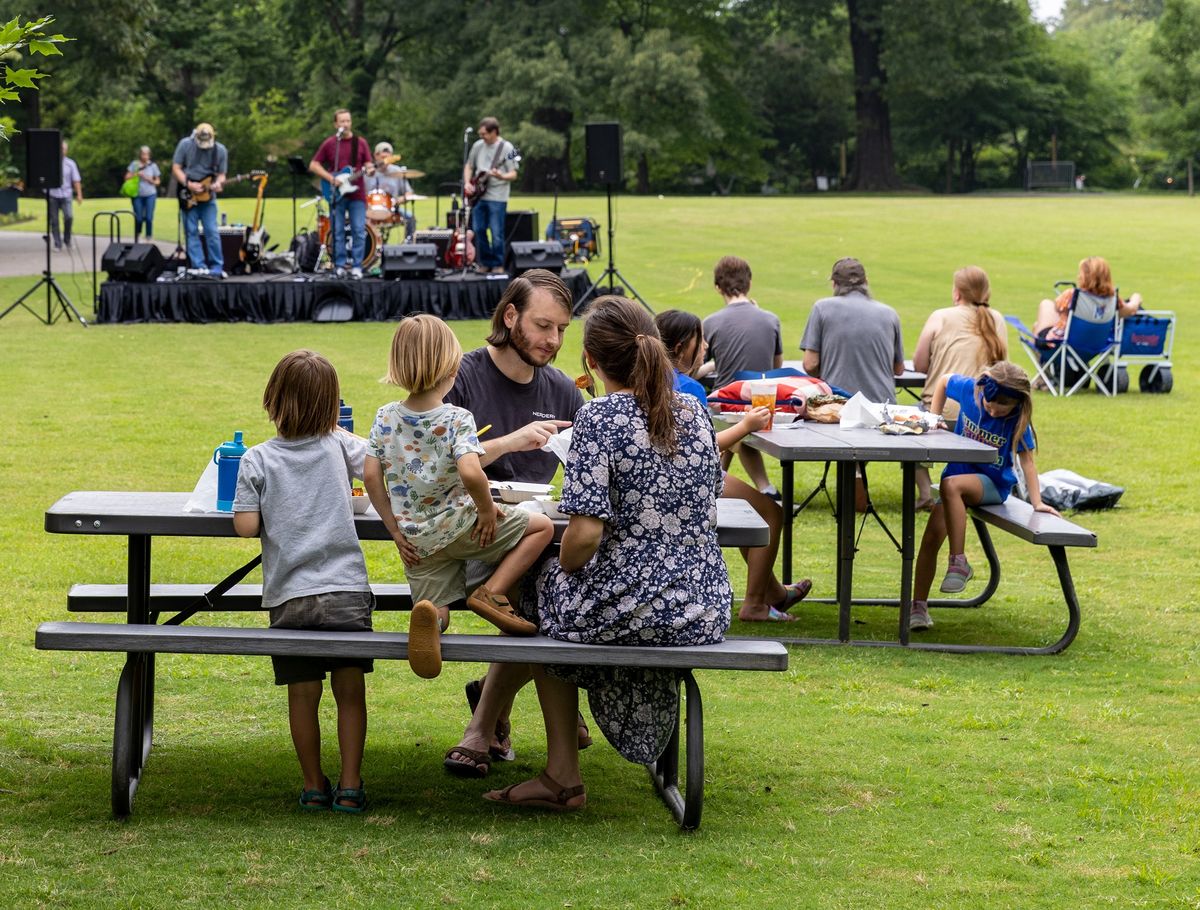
907,534
785,534
688,806
845,549
133,725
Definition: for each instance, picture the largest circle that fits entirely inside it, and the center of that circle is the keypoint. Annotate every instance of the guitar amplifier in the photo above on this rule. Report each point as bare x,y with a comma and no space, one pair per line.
439,237
232,238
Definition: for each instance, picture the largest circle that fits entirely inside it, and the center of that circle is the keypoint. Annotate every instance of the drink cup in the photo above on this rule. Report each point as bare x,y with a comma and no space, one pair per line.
762,395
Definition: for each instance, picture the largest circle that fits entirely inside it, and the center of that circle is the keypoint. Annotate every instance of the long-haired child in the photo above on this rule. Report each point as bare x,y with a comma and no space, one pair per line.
425,478
996,408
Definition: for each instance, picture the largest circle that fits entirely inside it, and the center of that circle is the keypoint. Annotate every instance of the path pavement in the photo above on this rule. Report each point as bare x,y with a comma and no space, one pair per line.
24,253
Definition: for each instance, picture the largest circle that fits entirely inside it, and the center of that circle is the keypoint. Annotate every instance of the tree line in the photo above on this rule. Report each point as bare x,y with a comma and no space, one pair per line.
776,96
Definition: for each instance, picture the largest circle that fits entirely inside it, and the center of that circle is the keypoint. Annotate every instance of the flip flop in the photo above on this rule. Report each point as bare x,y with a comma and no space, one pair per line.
795,593
560,800
477,764
497,610
773,615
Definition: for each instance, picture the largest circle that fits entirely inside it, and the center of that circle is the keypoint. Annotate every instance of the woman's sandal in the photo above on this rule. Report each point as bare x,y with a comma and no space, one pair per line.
560,796
476,763
317,800
350,799
585,736
795,593
497,610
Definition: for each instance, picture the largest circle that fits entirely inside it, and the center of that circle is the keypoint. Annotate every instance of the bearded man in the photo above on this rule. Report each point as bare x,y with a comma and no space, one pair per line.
509,384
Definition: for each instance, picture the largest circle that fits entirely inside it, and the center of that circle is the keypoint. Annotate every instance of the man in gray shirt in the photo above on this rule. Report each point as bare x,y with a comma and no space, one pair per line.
742,336
491,166
852,341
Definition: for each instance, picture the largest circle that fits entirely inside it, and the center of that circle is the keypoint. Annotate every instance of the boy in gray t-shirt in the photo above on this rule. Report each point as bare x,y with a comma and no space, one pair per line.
742,336
295,490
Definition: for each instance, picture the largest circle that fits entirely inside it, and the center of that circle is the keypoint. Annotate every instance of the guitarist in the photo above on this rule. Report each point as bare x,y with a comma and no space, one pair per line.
199,157
340,151
491,166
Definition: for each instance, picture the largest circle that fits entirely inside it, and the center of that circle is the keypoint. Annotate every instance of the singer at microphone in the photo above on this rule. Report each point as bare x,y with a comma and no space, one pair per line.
341,161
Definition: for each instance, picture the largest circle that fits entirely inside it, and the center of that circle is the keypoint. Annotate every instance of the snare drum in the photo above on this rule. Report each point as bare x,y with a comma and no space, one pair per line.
380,206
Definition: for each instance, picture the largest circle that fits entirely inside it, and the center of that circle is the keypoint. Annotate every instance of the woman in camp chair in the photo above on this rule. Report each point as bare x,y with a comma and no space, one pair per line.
1095,277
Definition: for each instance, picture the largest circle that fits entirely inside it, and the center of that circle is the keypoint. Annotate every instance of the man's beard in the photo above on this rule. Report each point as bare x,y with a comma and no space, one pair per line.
520,344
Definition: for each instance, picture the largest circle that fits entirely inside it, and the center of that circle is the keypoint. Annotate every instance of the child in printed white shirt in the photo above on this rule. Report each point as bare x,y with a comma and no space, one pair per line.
424,475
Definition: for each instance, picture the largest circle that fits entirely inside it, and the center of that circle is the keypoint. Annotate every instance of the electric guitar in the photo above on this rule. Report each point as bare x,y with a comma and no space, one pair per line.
188,199
256,234
344,180
479,182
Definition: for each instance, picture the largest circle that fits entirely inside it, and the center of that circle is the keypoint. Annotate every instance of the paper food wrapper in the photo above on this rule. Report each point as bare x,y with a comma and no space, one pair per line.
559,444
858,412
204,497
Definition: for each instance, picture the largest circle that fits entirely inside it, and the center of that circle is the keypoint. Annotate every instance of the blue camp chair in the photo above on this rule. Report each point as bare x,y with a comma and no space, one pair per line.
1088,351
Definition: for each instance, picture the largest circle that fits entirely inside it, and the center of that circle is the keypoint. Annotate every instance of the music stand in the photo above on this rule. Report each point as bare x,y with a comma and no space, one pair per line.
612,271
53,289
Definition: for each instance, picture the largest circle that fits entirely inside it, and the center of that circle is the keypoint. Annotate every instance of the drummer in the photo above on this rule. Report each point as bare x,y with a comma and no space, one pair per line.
390,179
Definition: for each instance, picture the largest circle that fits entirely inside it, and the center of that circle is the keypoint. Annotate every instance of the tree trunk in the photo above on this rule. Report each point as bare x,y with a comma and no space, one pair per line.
966,178
874,165
951,146
643,174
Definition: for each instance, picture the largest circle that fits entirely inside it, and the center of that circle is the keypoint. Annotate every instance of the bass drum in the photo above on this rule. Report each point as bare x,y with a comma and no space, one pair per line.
370,251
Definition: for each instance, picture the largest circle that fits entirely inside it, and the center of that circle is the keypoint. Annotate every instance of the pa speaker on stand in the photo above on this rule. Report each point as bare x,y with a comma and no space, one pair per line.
605,166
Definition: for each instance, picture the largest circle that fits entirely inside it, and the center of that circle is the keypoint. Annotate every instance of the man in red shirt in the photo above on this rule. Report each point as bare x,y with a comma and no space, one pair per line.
342,160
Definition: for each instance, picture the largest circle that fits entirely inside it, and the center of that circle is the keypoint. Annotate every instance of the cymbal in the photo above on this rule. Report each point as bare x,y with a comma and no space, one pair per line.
410,173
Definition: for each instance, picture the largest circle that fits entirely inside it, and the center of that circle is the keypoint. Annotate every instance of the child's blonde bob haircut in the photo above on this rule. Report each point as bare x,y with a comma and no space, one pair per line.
425,354
301,397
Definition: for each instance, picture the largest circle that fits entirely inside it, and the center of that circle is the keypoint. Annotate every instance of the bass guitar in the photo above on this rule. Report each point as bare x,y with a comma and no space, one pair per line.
256,235
188,199
343,180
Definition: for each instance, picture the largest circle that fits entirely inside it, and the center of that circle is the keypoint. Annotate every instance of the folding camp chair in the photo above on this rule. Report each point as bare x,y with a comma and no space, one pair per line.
1087,352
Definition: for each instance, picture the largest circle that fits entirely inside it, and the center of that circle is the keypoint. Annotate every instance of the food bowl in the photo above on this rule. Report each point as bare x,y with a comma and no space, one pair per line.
512,491
550,508
783,418
360,504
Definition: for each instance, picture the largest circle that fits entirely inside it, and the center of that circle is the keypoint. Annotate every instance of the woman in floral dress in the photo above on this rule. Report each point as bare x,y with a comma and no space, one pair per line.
639,564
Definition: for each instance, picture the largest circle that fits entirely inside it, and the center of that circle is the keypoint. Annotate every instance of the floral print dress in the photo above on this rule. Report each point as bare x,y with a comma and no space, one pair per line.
658,577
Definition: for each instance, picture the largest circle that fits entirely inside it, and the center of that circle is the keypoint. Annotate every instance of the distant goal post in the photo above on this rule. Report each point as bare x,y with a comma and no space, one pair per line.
1041,174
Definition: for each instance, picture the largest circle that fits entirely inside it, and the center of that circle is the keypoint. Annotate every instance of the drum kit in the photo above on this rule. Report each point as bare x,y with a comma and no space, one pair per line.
384,212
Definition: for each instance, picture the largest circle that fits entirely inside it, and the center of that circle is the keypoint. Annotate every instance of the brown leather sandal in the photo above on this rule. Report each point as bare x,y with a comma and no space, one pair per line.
472,762
503,751
497,610
560,800
585,736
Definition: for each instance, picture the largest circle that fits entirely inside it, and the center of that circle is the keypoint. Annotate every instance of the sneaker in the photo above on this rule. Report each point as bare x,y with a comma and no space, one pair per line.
356,273
770,491
918,618
957,577
339,272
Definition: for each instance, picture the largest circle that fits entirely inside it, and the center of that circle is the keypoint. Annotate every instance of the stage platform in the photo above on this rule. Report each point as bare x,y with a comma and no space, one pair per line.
301,298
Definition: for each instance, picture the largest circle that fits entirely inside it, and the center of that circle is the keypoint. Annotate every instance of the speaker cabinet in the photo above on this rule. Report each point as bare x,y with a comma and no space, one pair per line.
603,145
132,261
43,159
534,254
410,260
439,237
521,226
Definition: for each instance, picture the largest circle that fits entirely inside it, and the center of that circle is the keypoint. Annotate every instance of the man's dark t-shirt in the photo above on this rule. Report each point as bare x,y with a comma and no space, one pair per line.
493,398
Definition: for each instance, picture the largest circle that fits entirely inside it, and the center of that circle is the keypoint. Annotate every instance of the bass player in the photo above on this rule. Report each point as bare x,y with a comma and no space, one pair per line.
341,160
199,166
491,166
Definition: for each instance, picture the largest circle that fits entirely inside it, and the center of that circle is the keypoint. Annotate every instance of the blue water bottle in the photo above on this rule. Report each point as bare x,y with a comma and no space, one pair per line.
345,416
228,457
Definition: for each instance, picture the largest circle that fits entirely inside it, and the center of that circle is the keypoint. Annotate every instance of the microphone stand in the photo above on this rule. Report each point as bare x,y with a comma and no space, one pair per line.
464,213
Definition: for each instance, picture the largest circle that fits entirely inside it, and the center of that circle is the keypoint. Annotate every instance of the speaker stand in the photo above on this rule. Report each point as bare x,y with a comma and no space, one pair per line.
53,289
611,272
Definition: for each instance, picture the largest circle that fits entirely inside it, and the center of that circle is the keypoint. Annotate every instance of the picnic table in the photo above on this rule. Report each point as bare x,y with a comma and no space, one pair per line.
142,516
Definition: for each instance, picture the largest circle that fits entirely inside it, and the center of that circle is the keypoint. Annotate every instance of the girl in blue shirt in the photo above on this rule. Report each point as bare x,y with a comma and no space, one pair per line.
997,409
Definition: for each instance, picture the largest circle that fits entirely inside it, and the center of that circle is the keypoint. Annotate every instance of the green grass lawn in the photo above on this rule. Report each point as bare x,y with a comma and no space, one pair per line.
858,778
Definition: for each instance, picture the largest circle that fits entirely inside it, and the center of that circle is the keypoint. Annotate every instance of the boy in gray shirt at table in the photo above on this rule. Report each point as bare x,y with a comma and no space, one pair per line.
742,336
295,489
